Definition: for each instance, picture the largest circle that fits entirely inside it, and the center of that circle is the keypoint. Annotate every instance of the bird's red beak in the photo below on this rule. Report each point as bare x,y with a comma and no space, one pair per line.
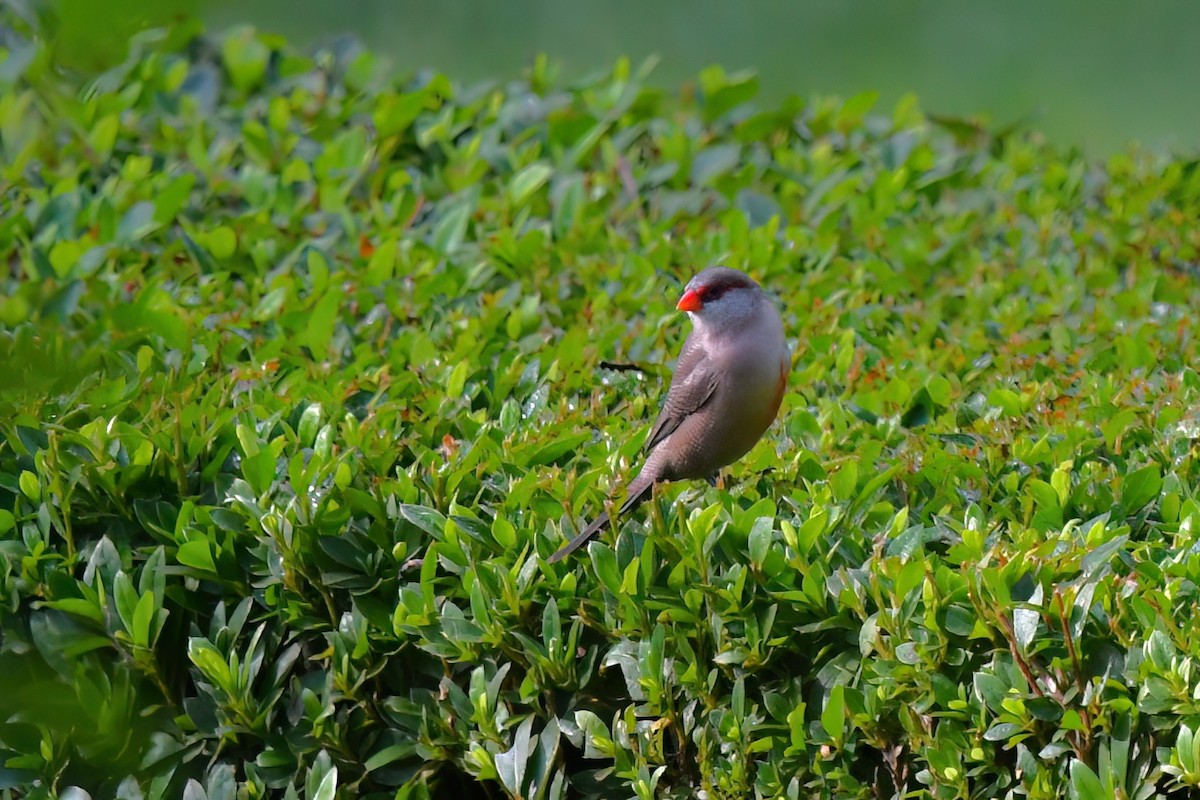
690,301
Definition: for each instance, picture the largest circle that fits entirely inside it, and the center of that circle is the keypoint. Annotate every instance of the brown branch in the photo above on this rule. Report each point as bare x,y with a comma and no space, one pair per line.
1011,638
1070,640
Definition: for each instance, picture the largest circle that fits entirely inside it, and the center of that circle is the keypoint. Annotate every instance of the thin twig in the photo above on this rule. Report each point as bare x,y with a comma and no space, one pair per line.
619,367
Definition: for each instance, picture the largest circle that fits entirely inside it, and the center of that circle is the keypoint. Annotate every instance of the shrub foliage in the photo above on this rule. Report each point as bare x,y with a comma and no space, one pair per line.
307,368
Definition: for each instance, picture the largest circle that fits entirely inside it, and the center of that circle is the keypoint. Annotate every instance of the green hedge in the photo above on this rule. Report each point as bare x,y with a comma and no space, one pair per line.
302,376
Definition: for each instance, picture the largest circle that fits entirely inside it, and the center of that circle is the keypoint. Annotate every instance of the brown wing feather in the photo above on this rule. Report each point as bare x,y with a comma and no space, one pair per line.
693,385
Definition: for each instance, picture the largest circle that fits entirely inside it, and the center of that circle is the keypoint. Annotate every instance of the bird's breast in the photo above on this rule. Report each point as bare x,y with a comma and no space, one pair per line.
757,390
752,363
749,401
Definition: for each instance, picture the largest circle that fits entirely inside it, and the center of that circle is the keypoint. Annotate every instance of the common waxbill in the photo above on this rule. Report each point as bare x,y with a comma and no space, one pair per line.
726,391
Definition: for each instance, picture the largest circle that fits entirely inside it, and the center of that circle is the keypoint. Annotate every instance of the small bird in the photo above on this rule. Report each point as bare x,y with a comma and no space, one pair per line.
726,391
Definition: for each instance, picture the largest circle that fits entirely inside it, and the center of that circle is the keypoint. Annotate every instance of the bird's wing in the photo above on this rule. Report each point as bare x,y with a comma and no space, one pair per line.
694,384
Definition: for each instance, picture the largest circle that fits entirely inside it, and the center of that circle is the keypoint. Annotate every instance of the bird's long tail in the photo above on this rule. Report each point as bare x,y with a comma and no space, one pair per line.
639,490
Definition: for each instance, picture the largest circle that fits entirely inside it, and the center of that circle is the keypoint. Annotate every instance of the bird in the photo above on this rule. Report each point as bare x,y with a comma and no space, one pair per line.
726,390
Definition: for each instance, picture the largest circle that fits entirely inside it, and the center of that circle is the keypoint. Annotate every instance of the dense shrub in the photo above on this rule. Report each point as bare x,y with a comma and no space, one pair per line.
305,369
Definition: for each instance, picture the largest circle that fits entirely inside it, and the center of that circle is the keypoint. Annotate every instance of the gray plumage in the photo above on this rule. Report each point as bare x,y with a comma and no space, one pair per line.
726,390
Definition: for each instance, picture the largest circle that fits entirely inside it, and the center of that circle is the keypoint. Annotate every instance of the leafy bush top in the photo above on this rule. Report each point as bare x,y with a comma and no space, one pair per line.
304,375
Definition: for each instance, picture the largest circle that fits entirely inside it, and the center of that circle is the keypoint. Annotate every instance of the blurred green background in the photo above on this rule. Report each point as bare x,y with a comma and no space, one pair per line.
1093,73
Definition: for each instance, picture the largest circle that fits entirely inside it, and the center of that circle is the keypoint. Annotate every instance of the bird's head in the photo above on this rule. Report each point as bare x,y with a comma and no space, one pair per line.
720,297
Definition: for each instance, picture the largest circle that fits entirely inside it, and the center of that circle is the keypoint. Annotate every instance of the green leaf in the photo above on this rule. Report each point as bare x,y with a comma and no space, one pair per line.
760,537
1141,487
127,600
1025,625
327,789
430,520
310,423
511,764
29,486
1001,732
722,92
604,562
169,202
458,378
1085,785
528,181
382,264
845,480
271,304
137,223
259,470
388,755
319,326
713,162
396,112
833,716
451,228
210,663
990,689
245,58
143,616
1008,401
568,203
197,555
553,450
79,607
103,135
